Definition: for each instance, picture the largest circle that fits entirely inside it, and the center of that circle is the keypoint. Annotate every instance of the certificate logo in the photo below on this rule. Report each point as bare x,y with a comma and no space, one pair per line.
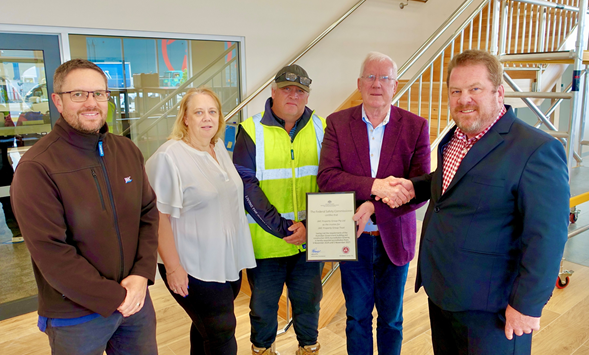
346,250
330,204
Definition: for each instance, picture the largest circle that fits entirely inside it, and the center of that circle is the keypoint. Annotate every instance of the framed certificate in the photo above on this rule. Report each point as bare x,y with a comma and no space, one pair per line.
331,231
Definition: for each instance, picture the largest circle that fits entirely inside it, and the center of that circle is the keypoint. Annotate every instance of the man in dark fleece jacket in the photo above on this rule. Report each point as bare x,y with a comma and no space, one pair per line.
88,216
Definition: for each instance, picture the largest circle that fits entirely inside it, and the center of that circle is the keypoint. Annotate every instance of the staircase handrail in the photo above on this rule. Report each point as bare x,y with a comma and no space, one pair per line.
408,85
549,4
442,134
179,90
427,44
292,61
165,114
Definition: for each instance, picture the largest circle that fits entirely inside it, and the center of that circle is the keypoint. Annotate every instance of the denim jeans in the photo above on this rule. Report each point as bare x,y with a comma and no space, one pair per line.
373,280
303,281
134,335
210,307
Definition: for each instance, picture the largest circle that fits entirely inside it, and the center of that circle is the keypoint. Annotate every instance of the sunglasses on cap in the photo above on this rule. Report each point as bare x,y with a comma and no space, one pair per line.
303,80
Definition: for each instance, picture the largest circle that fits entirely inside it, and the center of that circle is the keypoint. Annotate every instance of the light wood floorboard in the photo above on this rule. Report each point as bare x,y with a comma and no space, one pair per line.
565,328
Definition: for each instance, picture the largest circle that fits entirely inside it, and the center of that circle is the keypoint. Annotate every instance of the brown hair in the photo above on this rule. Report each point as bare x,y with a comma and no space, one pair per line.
475,57
180,130
63,70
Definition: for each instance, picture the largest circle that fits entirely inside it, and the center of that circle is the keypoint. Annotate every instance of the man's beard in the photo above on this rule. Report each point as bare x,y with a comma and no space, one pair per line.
475,124
84,126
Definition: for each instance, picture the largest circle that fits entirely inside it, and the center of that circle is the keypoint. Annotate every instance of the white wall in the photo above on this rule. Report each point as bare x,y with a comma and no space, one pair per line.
274,30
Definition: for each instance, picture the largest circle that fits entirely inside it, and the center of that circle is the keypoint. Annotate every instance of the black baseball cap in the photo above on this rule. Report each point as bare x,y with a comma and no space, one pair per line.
293,75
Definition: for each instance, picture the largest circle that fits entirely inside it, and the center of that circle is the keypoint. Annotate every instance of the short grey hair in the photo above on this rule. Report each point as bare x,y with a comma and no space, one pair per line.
378,57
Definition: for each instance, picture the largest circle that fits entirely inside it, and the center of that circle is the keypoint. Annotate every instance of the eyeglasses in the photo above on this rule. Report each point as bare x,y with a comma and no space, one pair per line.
383,78
82,96
303,80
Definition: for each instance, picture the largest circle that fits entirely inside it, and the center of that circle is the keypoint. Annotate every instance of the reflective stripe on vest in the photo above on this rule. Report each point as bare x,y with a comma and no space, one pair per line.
273,174
289,215
284,182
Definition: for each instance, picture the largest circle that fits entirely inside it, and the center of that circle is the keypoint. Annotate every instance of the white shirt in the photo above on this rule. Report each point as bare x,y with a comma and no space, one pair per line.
205,201
375,137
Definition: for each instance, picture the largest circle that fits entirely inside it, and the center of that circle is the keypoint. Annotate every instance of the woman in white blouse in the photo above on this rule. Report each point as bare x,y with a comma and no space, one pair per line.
204,238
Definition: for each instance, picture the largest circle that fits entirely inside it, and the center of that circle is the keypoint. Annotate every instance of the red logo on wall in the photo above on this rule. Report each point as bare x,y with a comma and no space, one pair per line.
346,250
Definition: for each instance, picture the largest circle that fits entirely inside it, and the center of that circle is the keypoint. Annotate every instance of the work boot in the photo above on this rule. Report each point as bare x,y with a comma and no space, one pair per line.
309,349
265,351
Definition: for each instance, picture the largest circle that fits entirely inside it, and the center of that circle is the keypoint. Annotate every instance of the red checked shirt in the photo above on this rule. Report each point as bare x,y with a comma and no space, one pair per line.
457,149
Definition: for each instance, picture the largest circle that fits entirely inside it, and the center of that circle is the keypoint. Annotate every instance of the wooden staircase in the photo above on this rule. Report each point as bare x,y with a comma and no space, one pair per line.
476,35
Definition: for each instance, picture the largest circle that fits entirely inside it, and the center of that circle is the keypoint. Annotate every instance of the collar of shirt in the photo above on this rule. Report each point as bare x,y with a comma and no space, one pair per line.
456,150
282,123
459,134
375,137
367,121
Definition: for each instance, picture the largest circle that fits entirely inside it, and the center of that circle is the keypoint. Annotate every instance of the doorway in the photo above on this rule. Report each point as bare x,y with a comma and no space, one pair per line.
27,64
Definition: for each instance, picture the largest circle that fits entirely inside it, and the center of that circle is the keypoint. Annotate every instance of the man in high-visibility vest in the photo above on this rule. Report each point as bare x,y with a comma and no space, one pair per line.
277,154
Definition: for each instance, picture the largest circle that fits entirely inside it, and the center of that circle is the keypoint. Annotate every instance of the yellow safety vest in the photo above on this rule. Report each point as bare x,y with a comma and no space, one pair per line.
286,171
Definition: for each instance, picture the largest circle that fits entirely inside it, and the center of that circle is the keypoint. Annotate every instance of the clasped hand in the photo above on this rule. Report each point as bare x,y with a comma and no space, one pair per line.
393,191
136,287
299,235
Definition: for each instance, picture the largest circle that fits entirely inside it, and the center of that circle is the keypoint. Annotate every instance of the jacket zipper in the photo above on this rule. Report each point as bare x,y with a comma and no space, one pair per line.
112,203
99,189
294,190
294,177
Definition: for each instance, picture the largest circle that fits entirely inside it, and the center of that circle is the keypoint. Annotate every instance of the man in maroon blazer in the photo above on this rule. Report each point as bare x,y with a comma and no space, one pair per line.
362,147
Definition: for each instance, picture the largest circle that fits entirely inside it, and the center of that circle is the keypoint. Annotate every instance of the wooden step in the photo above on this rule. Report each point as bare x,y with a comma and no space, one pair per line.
543,58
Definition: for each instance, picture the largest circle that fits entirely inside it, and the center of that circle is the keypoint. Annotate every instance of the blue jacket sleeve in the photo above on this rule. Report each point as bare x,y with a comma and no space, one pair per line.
256,203
543,201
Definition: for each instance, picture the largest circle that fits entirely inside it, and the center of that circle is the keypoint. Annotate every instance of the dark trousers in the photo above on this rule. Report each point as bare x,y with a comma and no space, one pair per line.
134,335
473,333
371,281
303,281
210,307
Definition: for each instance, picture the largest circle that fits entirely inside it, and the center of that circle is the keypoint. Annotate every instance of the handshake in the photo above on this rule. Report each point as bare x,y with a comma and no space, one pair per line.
393,191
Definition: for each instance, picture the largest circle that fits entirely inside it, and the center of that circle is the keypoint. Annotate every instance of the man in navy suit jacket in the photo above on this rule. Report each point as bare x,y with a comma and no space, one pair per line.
495,228
363,147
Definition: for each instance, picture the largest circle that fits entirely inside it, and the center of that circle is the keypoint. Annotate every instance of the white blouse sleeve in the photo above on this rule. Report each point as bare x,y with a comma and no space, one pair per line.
165,180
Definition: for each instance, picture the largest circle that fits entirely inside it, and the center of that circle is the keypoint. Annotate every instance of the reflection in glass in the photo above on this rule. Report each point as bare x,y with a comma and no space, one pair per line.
157,73
24,118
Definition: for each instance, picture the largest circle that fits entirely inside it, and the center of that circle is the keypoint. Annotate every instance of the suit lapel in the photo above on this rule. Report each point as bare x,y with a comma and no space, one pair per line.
389,141
360,139
483,147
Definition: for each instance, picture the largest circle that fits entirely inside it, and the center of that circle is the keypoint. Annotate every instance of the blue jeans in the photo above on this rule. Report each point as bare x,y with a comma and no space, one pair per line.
373,280
134,335
303,281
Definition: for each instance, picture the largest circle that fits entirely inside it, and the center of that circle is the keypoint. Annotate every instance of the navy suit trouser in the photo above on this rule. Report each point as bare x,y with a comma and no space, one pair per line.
473,333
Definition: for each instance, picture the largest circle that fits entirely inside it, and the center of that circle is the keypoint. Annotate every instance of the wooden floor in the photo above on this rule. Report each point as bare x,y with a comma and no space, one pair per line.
565,325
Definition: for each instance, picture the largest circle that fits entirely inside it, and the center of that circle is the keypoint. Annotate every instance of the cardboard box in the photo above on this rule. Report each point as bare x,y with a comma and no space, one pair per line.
144,80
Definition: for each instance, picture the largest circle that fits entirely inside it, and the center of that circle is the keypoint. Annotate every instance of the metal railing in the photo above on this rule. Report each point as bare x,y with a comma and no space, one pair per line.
179,90
526,26
535,25
429,102
292,61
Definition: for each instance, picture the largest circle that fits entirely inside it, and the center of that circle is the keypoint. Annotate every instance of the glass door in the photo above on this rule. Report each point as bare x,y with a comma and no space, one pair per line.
27,64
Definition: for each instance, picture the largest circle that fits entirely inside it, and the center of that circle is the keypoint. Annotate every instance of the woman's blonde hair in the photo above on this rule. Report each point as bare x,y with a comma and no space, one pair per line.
180,130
